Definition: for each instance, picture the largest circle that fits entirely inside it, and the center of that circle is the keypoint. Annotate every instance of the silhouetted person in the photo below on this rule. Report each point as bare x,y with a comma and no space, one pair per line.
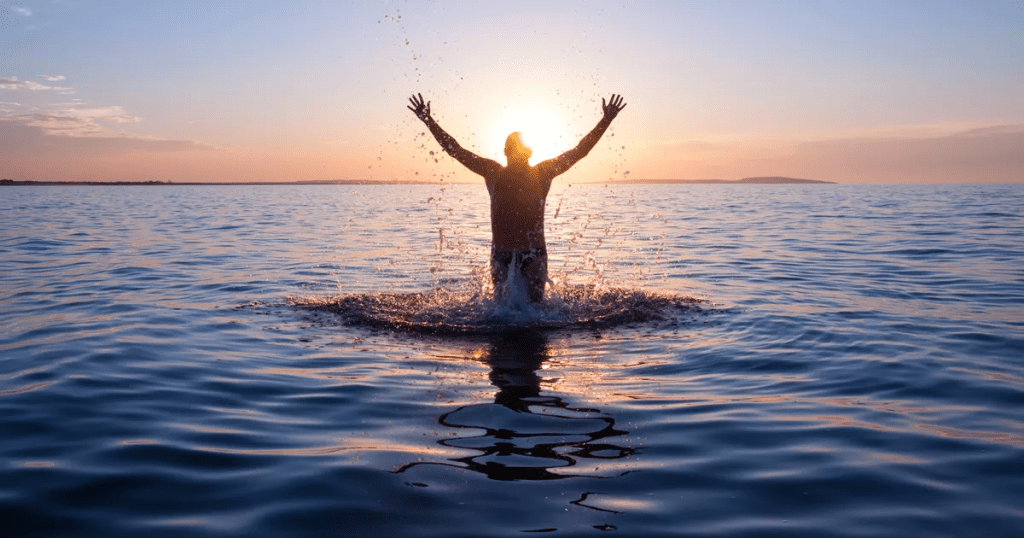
518,193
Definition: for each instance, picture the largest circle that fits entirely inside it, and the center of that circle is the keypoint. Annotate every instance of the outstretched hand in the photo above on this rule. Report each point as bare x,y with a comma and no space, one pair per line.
612,108
418,107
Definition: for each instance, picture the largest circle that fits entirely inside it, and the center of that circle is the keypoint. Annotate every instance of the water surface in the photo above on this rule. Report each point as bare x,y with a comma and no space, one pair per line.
853,364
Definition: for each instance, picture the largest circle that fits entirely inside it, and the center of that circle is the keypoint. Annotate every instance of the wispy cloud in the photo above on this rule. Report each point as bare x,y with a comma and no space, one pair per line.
12,83
74,121
938,153
975,155
61,130
23,11
55,123
32,143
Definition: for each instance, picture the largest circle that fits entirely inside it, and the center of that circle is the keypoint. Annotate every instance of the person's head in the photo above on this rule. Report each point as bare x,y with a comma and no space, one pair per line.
515,149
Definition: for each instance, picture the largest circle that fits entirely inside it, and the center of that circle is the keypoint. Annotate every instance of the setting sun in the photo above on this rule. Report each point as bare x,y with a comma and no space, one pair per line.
722,92
545,131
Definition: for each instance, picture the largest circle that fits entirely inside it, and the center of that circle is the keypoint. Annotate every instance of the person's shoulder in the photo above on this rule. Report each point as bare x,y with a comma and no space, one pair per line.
496,171
494,174
548,169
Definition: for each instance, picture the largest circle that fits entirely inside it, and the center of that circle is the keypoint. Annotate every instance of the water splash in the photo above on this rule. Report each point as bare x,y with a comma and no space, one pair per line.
597,265
512,297
468,306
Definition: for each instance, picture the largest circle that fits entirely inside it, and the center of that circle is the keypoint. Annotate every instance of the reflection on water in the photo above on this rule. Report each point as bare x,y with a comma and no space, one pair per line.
862,378
524,434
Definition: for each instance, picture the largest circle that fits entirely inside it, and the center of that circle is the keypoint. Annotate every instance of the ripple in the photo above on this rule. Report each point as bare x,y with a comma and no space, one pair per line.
858,374
445,312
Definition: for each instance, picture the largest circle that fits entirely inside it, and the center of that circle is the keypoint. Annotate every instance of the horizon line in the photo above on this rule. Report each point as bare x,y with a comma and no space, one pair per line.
747,180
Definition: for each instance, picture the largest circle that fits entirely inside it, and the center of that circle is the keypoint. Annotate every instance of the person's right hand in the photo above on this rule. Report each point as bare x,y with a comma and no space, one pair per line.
611,109
421,110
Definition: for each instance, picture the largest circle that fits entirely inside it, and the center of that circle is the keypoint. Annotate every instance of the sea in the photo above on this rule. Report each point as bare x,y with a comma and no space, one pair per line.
332,360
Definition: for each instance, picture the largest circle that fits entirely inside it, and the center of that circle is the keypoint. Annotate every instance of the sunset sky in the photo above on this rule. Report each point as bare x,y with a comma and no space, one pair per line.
846,91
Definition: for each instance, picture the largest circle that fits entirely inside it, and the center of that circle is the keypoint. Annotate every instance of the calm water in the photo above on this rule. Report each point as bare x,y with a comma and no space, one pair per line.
176,361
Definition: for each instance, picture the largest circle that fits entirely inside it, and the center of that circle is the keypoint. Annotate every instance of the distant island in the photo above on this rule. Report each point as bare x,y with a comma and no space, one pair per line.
769,180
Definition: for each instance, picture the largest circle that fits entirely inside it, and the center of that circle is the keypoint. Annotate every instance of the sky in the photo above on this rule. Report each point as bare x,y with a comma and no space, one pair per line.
847,91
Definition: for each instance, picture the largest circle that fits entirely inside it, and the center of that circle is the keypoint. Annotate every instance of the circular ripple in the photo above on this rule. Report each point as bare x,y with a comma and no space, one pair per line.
451,312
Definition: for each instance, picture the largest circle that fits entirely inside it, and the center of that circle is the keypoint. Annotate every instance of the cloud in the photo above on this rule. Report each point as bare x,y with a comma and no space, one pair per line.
989,154
72,140
23,11
694,147
111,113
12,83
24,139
72,128
52,78
73,121
939,153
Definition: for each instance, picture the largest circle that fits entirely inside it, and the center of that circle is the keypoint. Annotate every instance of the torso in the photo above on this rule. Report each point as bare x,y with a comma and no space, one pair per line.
517,207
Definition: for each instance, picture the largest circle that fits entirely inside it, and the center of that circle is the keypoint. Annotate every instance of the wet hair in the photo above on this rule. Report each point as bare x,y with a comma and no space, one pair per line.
514,146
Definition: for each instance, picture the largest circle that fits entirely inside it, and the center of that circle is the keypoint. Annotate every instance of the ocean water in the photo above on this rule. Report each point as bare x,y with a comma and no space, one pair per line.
777,360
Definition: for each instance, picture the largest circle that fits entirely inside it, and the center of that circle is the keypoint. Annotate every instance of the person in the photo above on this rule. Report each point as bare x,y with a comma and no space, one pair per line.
518,194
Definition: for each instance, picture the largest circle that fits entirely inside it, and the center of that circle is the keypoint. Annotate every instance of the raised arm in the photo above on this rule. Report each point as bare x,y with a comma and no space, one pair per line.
553,167
474,162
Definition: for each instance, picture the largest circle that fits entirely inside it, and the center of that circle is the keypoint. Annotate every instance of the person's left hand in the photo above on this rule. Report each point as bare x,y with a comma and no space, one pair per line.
418,107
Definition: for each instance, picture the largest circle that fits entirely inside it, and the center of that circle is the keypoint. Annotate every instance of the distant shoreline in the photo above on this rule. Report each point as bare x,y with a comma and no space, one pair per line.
14,183
771,180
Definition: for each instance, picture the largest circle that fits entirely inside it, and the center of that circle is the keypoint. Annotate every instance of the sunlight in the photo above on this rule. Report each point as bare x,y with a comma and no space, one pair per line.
544,131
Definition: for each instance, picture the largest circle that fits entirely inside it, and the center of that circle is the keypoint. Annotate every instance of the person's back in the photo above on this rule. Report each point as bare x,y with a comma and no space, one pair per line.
518,194
518,197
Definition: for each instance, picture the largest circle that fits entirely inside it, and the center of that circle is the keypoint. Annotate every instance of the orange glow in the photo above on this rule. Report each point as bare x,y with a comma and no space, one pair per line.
543,128
38,464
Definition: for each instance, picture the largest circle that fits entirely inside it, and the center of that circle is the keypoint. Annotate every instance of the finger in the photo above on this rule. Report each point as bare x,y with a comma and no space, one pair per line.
603,105
421,97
